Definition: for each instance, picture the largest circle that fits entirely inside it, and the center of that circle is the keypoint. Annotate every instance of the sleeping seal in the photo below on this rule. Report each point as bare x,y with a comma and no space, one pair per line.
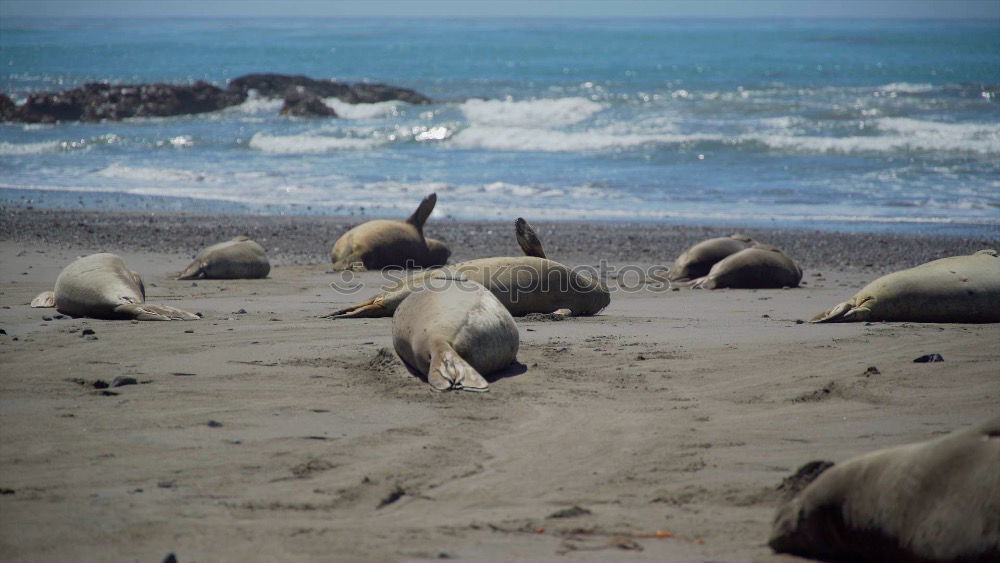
931,501
696,261
758,267
383,243
102,287
239,258
524,284
454,331
959,289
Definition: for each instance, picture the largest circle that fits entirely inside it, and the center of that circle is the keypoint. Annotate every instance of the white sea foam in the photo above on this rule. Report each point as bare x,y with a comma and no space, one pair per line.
944,140
525,139
363,111
259,105
307,143
532,113
906,87
29,148
952,131
153,174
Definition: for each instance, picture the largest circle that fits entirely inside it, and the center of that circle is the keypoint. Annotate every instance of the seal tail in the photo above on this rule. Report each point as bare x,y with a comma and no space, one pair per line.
843,313
423,211
449,371
150,312
194,270
44,300
528,239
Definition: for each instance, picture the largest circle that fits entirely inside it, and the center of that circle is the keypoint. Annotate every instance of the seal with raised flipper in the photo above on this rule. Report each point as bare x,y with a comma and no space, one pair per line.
101,286
958,289
384,243
696,261
454,331
524,284
761,266
931,501
239,258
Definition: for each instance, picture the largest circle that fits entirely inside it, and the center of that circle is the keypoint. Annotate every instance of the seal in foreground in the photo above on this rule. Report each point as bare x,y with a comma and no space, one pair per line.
454,331
383,243
239,258
524,284
931,501
959,289
102,287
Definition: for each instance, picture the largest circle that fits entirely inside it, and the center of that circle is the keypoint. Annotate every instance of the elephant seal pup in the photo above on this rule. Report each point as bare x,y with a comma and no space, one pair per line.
102,287
959,289
384,243
696,261
454,331
758,267
932,501
524,284
239,258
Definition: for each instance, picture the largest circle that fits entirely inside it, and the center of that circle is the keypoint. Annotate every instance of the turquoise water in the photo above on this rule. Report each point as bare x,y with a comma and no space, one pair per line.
881,125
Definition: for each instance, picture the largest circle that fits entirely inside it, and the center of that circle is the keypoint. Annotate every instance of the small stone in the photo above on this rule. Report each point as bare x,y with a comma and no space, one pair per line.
46,318
123,380
170,558
87,332
571,512
799,321
241,312
214,424
872,370
2,331
165,484
59,317
675,289
6,491
765,316
928,358
194,284
189,331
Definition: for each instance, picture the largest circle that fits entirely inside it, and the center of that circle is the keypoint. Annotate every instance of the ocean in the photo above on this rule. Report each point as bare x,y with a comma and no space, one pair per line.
872,125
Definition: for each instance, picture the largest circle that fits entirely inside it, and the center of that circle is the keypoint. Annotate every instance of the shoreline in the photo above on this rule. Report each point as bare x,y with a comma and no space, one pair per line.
306,239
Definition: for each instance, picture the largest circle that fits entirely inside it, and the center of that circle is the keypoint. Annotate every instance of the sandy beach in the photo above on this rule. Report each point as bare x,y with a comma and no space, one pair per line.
659,429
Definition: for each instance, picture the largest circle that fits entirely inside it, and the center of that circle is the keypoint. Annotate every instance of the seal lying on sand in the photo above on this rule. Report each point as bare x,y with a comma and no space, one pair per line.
239,258
959,289
383,243
454,331
758,267
102,287
524,284
931,501
696,261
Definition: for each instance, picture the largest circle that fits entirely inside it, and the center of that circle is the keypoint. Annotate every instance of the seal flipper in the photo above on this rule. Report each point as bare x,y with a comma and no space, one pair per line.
44,300
845,312
194,270
373,308
527,239
450,371
150,312
423,211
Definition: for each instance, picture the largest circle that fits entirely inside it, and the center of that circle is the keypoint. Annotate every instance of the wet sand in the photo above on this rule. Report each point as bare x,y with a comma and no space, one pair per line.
272,434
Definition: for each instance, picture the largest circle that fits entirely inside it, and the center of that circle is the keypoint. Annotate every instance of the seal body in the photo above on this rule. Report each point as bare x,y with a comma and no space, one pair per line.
385,243
102,287
758,267
932,501
454,331
696,261
239,258
523,284
959,289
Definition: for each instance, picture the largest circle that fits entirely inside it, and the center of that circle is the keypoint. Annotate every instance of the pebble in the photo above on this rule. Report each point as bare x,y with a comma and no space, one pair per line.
87,332
214,424
123,380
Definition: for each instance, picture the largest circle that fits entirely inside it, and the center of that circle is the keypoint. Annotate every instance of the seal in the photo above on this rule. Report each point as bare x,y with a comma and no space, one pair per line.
931,501
454,331
102,287
696,261
524,284
239,258
758,267
958,289
385,243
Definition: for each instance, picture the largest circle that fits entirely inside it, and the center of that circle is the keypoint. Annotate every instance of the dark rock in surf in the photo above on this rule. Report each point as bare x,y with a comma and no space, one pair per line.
300,102
270,85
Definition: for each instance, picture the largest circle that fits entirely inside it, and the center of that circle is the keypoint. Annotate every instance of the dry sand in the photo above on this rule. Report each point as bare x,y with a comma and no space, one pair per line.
276,435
